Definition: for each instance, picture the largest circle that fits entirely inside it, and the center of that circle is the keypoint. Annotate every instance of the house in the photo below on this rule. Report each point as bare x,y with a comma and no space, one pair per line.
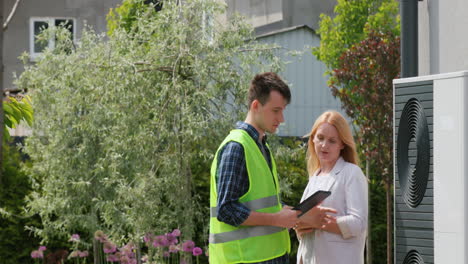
291,24
442,36
31,16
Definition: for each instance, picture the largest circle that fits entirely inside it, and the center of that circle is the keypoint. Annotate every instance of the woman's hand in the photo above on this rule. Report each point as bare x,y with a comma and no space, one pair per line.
300,232
316,217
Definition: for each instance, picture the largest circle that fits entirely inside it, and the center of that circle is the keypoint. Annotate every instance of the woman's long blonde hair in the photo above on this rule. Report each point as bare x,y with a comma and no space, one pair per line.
348,153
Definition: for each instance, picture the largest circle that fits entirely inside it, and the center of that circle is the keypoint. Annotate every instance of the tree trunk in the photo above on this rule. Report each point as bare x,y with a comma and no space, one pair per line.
388,191
369,226
2,125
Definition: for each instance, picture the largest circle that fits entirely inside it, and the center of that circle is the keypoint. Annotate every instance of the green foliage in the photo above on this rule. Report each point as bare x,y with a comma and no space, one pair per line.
16,111
17,242
360,47
350,25
364,86
125,15
290,157
363,83
125,128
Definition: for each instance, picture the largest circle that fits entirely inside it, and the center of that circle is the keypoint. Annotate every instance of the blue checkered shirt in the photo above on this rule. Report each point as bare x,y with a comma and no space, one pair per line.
233,182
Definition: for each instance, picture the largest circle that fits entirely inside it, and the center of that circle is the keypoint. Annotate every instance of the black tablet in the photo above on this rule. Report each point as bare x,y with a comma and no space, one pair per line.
311,201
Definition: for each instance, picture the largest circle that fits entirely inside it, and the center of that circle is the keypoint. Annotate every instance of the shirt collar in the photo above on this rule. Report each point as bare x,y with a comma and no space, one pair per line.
251,130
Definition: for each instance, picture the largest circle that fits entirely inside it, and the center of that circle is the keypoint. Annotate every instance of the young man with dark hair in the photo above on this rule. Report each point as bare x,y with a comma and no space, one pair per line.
248,223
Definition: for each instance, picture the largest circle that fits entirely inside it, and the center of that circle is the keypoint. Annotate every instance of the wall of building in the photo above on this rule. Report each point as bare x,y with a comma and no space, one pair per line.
310,94
16,37
442,36
272,15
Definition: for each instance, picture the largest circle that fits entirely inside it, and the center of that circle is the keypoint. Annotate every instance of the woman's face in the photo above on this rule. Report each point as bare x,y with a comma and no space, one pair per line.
328,144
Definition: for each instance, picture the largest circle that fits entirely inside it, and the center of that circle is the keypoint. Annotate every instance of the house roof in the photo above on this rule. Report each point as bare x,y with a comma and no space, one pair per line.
283,30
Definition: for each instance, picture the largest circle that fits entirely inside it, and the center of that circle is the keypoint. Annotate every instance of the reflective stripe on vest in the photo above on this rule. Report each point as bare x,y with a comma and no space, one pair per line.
242,233
252,205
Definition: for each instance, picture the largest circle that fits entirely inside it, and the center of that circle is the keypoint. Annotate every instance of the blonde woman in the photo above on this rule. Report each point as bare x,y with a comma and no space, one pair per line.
332,164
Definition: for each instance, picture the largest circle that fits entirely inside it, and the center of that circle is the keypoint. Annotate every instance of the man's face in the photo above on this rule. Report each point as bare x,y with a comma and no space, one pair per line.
270,115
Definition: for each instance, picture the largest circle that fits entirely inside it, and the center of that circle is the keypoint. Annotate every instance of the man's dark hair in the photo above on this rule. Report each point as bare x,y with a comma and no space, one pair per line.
262,85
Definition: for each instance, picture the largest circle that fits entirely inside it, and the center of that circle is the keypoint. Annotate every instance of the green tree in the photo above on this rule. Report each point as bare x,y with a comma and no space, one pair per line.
367,70
15,186
126,14
361,51
119,123
15,111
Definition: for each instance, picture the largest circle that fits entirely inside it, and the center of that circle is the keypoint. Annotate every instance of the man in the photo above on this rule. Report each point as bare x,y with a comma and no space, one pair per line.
248,224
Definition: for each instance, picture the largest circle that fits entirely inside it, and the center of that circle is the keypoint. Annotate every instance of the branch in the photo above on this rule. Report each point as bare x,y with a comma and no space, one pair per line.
10,16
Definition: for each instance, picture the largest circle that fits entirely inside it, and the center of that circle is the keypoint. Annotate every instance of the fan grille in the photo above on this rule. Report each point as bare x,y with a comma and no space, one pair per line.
413,257
413,131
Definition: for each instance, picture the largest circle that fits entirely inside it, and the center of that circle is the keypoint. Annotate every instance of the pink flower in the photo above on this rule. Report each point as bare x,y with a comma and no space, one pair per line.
75,254
160,241
100,236
42,248
37,254
171,239
188,246
112,258
109,247
148,238
127,250
74,238
174,249
197,251
83,254
166,254
176,232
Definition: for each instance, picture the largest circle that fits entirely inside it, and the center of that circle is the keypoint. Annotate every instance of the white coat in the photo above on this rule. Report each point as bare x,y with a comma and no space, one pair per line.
349,195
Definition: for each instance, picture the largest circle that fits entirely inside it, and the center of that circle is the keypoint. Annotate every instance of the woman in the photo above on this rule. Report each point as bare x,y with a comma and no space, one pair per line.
332,165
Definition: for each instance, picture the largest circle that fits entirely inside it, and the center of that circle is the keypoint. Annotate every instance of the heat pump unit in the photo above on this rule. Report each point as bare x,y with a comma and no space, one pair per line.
431,169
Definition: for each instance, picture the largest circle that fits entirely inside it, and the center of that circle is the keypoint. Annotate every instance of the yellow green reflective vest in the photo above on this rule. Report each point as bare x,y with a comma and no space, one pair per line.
246,244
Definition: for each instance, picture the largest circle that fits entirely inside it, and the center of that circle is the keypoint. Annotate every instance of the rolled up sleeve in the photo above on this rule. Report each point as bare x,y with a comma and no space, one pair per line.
232,183
355,221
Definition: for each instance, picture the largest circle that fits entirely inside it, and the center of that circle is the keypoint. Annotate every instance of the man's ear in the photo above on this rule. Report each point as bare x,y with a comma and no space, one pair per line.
254,105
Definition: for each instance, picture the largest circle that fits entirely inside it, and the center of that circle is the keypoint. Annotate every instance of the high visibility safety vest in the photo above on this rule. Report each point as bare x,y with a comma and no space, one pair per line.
246,244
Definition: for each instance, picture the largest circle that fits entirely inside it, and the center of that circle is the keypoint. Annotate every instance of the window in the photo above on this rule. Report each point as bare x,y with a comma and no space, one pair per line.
38,24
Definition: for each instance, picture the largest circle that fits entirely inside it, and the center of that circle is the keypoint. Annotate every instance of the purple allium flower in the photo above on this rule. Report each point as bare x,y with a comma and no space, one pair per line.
183,261
74,238
83,254
148,238
160,241
112,258
188,246
124,259
36,254
176,232
42,248
100,236
127,250
174,248
75,254
109,247
171,239
166,254
197,251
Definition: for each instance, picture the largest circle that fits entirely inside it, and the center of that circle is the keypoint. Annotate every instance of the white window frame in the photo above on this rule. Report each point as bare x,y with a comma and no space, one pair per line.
51,22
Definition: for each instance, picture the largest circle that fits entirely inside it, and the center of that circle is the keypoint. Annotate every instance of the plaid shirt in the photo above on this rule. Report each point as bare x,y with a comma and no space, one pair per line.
233,182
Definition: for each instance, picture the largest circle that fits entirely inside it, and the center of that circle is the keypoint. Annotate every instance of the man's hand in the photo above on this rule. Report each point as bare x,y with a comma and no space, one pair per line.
286,218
